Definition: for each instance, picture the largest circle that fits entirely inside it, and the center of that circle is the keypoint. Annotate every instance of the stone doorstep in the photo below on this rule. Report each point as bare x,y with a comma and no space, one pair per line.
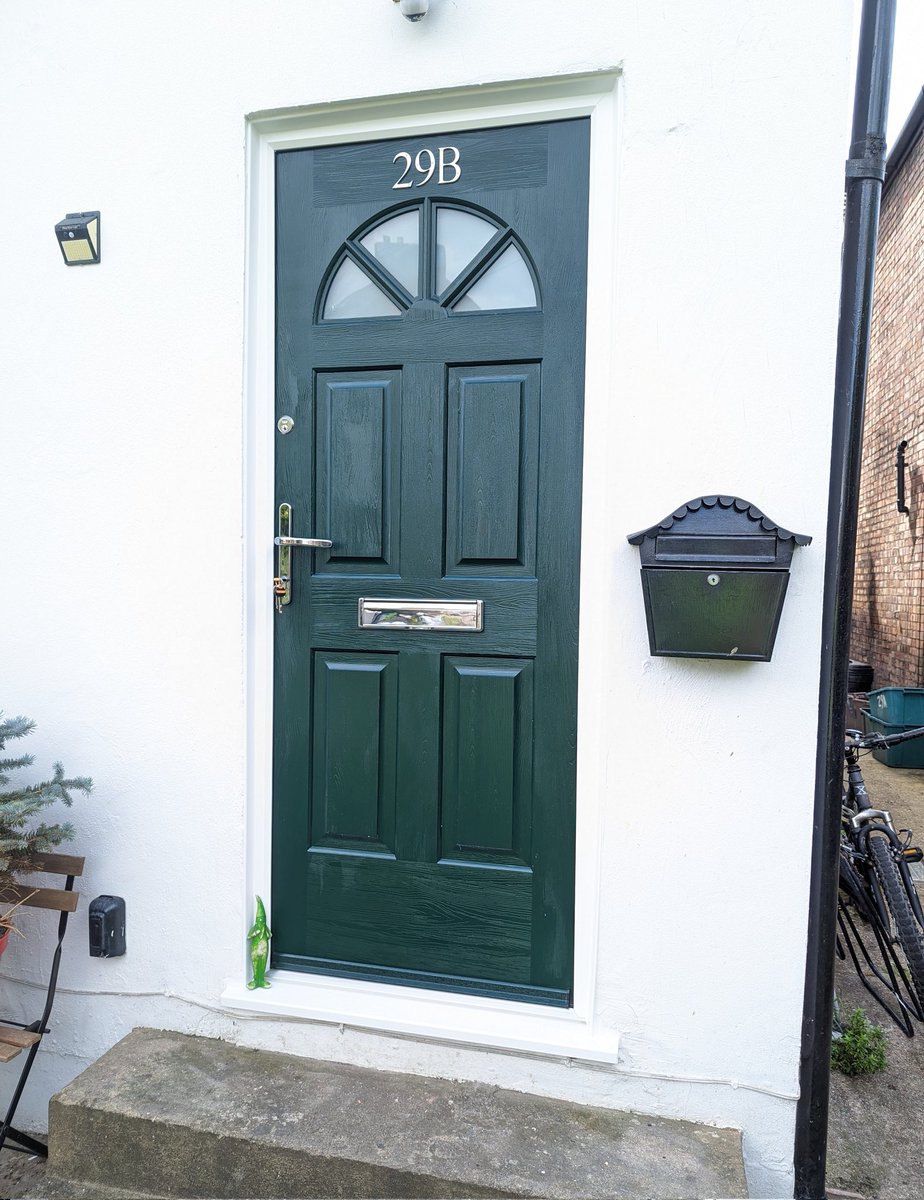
166,1114
62,1189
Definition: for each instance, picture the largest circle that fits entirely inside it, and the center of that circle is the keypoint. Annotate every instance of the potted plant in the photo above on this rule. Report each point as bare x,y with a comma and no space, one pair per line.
23,833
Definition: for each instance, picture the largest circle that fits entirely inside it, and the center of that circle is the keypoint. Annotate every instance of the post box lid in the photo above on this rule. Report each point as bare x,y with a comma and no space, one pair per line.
721,529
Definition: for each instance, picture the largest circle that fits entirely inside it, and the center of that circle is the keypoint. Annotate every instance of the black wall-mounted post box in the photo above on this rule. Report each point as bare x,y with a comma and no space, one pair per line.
714,575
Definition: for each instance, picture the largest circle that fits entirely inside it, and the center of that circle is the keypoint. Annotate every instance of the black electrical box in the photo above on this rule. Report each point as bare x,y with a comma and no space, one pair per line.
107,927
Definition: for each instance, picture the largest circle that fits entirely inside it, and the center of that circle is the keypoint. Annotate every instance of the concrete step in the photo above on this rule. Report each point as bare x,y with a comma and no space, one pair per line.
165,1114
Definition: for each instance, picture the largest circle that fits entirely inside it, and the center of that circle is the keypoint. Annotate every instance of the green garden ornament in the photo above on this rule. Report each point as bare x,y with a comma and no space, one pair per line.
259,936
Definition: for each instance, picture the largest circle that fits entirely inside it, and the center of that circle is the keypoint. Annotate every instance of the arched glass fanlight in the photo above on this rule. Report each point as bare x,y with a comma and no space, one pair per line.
395,245
470,259
507,283
460,235
353,294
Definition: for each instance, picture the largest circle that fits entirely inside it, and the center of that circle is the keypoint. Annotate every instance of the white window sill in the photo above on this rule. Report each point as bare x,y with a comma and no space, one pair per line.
476,1021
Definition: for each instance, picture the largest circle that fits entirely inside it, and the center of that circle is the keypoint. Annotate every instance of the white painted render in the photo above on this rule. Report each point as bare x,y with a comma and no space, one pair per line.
135,450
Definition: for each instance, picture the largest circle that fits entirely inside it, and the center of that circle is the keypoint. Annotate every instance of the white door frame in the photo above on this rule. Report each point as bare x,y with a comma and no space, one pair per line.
474,1020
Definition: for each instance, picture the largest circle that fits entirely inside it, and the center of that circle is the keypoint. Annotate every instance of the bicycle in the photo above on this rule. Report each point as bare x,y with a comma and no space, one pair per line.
876,884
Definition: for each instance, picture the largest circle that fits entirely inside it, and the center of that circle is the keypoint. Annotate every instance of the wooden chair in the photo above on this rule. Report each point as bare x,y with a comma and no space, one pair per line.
16,1036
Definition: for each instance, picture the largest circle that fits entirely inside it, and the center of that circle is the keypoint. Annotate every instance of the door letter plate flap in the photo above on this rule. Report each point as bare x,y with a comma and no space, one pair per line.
460,616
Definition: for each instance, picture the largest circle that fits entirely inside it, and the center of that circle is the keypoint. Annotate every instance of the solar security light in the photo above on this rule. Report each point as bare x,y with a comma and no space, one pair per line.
78,236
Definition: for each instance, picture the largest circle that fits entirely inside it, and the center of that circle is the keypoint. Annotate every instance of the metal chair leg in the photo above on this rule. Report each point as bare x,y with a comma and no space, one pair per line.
27,1144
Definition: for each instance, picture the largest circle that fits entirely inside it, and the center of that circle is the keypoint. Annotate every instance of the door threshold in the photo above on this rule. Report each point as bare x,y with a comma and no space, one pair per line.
483,1022
524,993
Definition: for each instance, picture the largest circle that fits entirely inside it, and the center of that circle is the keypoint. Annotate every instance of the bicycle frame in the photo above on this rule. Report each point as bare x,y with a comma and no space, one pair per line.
866,820
859,886
893,979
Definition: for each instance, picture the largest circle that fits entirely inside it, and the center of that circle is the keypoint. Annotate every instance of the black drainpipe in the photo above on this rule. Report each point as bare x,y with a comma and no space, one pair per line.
864,175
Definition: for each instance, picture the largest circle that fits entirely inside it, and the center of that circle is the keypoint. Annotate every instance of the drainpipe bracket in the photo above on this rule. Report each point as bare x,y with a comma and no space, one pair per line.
865,168
867,158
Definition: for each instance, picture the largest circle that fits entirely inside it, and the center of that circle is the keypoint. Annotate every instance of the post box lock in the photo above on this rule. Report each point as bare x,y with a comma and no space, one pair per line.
714,576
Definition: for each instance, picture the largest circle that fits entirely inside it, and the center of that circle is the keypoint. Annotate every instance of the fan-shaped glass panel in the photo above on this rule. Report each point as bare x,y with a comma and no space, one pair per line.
353,294
459,237
507,283
396,245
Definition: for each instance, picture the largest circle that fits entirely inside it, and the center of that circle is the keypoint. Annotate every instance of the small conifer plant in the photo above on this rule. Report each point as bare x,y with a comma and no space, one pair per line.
859,1048
23,833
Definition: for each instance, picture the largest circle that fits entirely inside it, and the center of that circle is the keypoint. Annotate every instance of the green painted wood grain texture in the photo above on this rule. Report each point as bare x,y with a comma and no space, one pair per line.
487,757
357,473
467,920
442,454
492,468
355,708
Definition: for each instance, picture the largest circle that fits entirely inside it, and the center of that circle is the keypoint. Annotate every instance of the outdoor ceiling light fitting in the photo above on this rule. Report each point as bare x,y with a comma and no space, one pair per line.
414,10
78,236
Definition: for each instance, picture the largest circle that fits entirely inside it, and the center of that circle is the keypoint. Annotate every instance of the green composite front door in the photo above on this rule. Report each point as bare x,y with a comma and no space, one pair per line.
430,333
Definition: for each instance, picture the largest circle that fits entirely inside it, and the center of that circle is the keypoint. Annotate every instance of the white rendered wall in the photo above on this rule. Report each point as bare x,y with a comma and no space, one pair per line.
122,430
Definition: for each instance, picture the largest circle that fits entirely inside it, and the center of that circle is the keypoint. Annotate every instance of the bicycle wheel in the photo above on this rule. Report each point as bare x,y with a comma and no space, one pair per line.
908,931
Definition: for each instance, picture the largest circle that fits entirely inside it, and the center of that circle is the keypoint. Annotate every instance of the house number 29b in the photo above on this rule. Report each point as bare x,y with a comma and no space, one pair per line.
445,162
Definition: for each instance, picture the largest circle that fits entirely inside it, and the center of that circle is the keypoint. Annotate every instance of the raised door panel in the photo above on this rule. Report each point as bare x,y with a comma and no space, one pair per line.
492,469
354,734
357,469
487,759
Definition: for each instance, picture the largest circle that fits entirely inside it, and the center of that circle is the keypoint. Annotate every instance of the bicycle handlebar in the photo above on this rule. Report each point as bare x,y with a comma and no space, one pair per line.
874,741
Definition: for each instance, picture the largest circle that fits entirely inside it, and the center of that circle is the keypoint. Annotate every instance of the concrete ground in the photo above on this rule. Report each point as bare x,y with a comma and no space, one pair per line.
20,1175
876,1129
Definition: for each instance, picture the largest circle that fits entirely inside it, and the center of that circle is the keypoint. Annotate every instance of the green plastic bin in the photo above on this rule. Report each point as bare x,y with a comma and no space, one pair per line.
898,706
907,754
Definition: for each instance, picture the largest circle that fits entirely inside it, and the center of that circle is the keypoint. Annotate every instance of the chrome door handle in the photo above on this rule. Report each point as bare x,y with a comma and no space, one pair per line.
282,583
319,543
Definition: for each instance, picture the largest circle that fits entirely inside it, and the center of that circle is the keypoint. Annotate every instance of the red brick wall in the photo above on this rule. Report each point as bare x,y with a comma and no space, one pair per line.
888,611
